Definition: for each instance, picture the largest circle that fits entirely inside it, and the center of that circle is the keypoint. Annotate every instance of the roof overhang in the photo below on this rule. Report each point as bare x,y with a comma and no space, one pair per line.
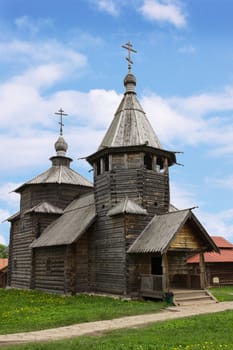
133,149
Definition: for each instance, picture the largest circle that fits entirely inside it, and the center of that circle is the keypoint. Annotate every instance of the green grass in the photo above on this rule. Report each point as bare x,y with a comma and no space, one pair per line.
223,293
22,310
205,332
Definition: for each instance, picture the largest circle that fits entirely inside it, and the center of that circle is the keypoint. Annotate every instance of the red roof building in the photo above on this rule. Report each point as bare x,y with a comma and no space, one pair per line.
219,266
3,272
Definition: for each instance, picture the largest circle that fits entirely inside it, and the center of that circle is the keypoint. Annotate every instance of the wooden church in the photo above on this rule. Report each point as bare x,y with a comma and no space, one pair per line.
119,235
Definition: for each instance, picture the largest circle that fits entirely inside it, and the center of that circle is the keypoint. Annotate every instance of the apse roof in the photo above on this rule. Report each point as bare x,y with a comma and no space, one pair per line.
60,171
58,174
77,218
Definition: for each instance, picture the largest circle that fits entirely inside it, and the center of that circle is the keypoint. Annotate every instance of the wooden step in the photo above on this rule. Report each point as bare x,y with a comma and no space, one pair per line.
193,297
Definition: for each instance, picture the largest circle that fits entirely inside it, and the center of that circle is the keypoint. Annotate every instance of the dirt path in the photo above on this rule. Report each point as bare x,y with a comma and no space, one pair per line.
91,328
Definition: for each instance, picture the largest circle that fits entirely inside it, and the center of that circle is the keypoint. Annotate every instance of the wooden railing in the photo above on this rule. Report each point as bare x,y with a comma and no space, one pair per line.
152,285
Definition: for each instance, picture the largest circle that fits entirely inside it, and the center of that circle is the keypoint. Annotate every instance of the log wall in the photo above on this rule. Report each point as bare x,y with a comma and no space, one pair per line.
186,239
50,269
20,260
30,226
112,270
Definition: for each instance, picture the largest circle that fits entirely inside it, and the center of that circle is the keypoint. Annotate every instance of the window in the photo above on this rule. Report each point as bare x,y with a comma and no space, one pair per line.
156,265
38,230
148,161
48,265
159,163
106,163
98,167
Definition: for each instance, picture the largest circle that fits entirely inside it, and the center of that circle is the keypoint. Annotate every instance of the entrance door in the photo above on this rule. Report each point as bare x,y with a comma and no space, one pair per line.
156,265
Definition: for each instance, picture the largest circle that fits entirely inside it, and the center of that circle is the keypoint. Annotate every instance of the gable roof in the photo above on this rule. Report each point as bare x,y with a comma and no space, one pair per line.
225,255
162,229
77,218
127,206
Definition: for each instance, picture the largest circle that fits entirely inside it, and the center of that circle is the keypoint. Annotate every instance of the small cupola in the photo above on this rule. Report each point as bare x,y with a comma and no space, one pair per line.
61,145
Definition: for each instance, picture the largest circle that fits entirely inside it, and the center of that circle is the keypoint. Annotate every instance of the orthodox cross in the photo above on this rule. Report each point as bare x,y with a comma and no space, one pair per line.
128,46
61,114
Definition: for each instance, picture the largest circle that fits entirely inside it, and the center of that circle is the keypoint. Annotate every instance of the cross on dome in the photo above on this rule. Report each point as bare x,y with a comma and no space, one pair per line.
61,114
128,46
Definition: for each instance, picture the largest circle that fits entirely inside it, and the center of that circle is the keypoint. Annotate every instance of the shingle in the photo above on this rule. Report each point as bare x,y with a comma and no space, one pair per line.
127,206
45,207
60,175
77,218
159,232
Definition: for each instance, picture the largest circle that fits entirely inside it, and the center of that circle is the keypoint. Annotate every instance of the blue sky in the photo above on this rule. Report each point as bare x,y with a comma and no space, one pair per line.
68,54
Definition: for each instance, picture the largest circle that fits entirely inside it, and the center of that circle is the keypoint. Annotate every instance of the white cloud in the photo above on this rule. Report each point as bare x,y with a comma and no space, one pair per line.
25,23
222,182
189,49
219,224
35,53
2,239
164,11
199,119
4,214
216,224
109,6
182,197
7,196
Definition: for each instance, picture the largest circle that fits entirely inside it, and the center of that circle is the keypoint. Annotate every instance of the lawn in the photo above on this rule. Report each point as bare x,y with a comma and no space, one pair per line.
23,310
205,332
223,293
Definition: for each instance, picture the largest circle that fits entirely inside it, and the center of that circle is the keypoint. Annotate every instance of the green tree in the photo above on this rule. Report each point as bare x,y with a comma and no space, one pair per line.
3,251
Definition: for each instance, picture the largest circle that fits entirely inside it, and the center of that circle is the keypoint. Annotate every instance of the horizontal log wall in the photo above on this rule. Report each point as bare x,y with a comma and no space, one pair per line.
224,272
187,238
106,244
49,269
156,193
20,261
59,195
136,264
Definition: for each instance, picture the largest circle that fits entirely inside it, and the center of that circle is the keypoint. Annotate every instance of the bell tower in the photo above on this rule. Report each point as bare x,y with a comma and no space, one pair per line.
130,160
131,185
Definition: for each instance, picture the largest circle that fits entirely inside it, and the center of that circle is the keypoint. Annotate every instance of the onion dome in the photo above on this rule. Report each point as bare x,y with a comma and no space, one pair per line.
61,146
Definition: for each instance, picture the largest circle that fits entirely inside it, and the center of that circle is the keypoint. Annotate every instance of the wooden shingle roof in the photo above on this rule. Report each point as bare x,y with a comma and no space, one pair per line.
127,206
162,229
130,126
77,218
45,208
60,175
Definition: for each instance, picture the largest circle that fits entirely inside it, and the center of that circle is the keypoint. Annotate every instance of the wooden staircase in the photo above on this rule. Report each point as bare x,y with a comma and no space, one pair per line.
192,297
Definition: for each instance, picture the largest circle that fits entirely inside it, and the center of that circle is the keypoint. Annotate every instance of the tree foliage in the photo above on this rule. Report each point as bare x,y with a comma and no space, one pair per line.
3,251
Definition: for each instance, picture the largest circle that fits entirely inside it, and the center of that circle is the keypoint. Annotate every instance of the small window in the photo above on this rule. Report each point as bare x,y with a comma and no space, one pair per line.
159,163
98,167
48,265
148,161
38,230
106,163
15,263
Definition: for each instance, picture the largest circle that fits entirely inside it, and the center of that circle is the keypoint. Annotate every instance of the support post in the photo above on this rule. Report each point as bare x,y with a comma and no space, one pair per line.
202,271
165,272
